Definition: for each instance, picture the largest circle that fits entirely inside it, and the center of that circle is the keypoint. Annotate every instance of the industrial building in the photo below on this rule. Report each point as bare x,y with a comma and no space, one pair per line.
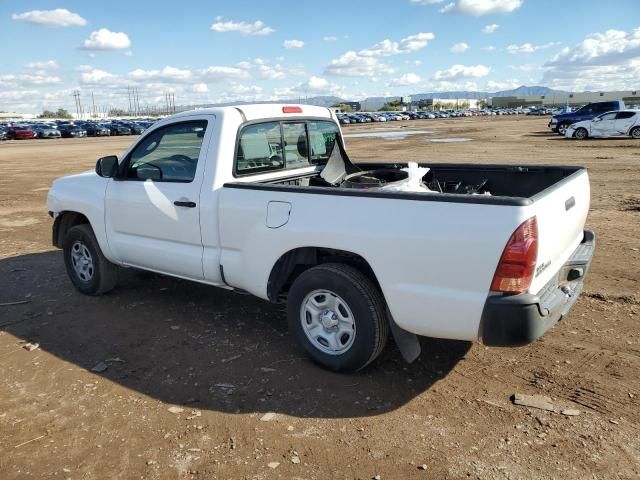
576,99
448,103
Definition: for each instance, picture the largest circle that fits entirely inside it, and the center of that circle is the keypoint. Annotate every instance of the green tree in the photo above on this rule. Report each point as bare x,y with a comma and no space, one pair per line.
116,112
62,113
47,114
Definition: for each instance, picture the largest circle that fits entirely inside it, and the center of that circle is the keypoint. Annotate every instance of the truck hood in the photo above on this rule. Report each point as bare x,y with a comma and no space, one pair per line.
67,192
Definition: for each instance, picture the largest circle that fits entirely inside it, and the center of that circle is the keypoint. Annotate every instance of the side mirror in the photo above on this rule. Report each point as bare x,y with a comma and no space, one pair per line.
107,167
597,119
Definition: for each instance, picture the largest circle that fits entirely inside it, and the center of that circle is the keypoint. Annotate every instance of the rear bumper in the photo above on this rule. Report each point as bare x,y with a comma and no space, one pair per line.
514,320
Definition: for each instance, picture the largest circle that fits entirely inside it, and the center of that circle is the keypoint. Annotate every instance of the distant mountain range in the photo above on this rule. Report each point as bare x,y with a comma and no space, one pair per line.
374,103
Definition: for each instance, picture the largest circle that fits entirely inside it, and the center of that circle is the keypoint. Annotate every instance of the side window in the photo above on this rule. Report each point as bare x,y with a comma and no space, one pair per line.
624,115
260,148
322,137
169,154
608,116
296,149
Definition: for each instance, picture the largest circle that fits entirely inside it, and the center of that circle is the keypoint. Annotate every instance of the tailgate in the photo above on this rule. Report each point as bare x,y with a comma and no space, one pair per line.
561,211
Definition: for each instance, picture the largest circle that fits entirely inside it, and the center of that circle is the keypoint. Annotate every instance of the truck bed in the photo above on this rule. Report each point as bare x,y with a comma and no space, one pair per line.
515,185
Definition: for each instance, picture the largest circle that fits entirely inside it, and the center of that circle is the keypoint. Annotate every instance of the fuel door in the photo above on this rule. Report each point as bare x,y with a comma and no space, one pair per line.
278,214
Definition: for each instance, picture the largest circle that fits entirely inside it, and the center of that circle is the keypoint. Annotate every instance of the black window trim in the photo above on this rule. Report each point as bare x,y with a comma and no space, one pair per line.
124,165
305,120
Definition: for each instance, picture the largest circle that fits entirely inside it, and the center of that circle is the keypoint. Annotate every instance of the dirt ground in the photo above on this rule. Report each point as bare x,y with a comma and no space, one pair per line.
224,360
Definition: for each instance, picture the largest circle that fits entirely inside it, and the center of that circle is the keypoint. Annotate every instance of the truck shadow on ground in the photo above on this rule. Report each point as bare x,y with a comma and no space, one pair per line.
199,346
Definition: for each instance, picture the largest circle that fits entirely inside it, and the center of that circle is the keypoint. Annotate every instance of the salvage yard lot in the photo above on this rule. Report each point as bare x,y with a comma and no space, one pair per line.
220,360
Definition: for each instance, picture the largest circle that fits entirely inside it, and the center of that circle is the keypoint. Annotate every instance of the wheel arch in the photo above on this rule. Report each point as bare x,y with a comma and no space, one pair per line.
294,262
63,222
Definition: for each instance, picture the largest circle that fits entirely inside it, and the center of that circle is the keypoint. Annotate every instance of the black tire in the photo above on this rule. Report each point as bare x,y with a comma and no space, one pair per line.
364,301
635,133
581,133
102,276
562,128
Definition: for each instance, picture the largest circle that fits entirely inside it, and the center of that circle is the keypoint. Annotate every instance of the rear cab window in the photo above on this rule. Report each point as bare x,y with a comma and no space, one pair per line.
284,145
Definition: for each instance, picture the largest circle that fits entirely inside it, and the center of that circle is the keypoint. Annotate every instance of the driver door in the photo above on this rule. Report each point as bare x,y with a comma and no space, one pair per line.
152,209
603,126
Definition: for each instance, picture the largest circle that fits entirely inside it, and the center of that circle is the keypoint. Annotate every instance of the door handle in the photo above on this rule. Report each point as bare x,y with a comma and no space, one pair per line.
187,204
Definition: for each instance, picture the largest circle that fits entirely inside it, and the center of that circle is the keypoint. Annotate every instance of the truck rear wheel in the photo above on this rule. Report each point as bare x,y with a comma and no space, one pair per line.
562,128
89,270
338,316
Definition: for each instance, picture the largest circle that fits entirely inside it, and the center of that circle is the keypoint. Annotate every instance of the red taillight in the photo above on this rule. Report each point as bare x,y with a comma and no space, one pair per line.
291,109
518,262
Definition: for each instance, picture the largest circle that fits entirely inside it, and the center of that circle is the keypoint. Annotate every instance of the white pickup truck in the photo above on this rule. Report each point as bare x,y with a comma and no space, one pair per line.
263,198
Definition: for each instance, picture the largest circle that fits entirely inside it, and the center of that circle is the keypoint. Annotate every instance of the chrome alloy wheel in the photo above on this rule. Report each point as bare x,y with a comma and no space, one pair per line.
82,261
327,322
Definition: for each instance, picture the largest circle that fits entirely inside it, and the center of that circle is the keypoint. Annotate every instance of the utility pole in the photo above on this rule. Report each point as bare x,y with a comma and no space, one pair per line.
93,103
76,96
129,97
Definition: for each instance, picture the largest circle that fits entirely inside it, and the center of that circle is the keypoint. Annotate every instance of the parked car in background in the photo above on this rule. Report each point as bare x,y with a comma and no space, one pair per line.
20,132
621,123
119,129
96,130
559,123
46,131
72,131
3,134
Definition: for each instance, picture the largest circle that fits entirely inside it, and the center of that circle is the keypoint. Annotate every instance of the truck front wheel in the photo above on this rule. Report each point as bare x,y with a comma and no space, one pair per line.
89,270
338,316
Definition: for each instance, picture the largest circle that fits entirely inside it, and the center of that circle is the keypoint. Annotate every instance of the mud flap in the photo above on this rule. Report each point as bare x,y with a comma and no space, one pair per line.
407,342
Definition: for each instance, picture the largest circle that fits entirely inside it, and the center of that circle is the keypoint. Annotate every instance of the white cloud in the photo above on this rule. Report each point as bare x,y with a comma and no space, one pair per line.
48,65
490,48
405,80
490,28
494,86
459,48
450,86
268,70
528,48
458,71
218,74
426,2
200,88
256,28
245,89
96,76
351,64
329,39
60,17
167,74
365,63
314,86
602,61
11,80
478,8
105,39
293,44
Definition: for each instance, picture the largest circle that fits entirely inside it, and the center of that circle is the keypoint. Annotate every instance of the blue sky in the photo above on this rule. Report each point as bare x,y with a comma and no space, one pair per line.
213,51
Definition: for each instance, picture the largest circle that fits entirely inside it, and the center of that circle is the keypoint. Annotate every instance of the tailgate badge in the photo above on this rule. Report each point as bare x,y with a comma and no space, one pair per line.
542,267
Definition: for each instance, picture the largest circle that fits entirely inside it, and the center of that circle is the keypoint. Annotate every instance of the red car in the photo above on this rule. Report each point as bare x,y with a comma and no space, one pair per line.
21,133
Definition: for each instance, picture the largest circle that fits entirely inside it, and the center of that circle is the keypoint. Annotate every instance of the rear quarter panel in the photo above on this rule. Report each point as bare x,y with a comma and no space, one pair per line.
434,260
